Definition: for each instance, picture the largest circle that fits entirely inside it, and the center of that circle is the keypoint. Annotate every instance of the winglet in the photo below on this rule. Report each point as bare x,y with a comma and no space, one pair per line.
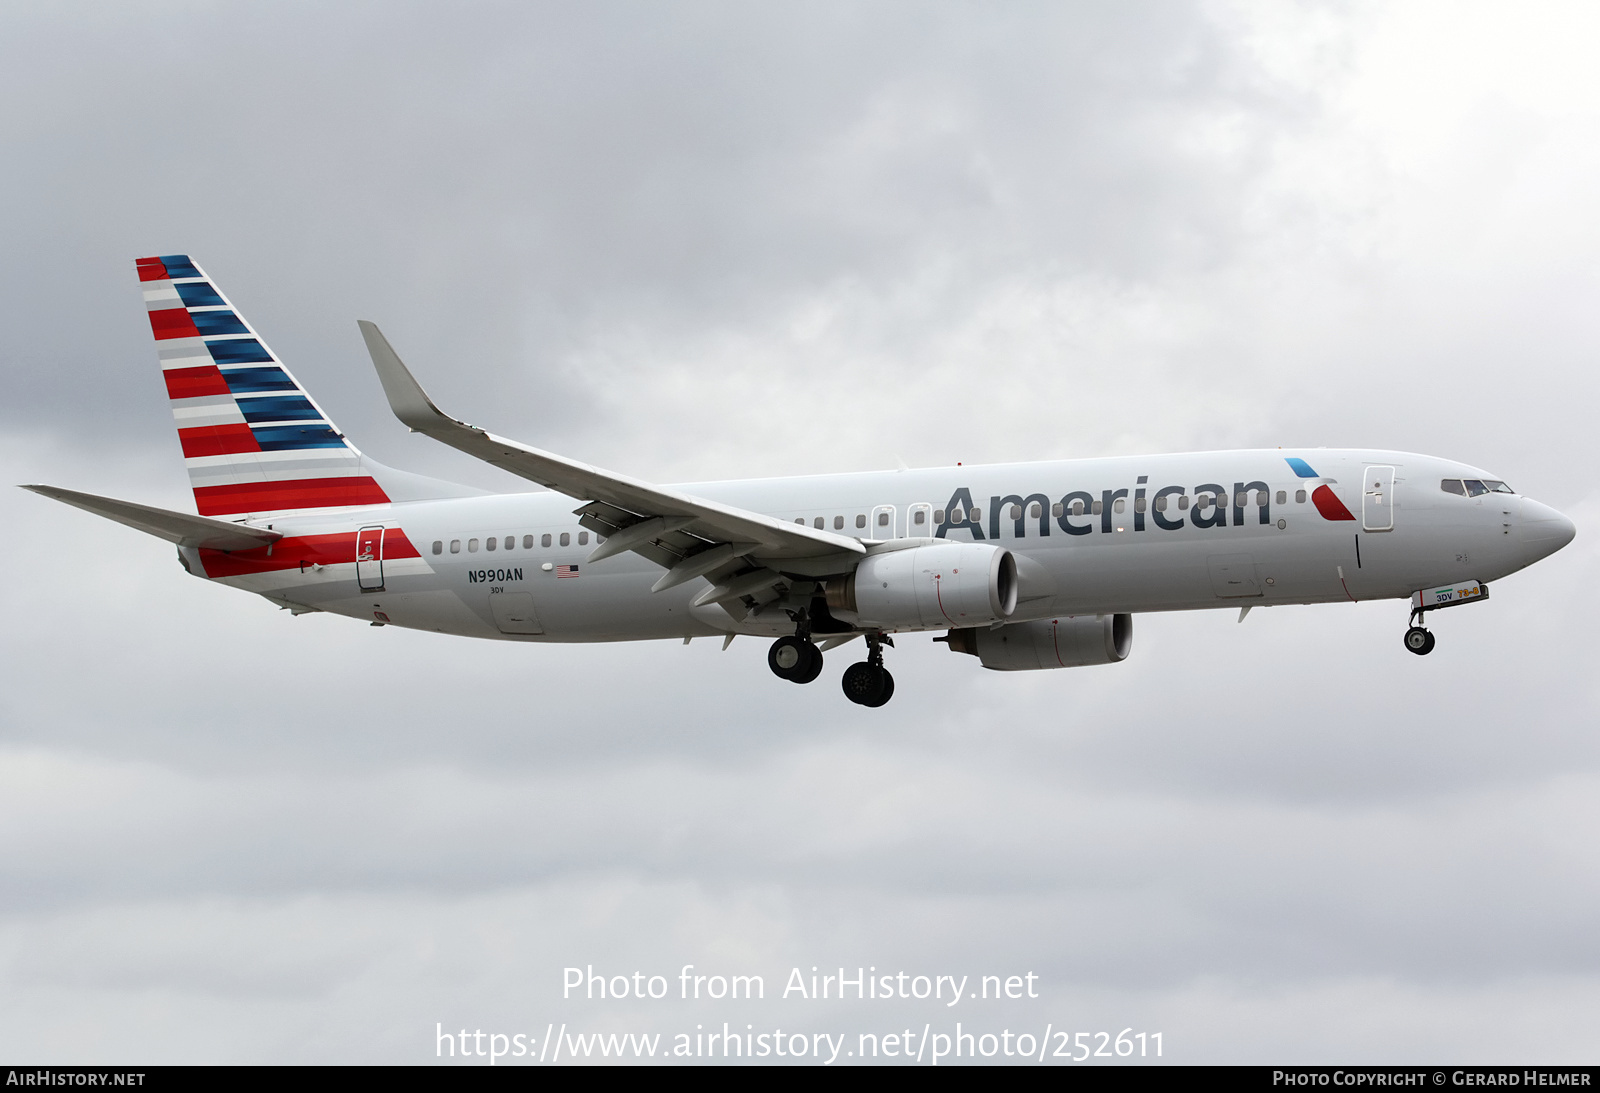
407,399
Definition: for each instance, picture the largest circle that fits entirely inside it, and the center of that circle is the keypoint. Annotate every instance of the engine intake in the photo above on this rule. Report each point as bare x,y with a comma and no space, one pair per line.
1070,642
928,587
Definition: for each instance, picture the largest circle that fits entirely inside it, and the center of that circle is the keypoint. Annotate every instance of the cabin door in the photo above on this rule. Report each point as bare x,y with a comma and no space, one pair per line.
369,559
1377,500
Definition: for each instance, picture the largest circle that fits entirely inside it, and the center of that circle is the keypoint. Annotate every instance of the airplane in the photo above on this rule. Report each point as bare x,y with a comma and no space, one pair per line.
1023,566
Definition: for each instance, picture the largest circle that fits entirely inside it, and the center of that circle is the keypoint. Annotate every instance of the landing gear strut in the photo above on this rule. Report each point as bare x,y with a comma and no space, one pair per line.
1419,639
869,682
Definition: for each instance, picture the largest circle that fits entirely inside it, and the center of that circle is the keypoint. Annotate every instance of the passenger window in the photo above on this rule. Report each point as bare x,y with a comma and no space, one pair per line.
1077,508
583,538
566,538
1138,504
491,543
472,546
544,540
1058,509
1119,505
977,515
1299,497
1453,485
1183,501
1240,500
801,520
861,519
938,516
438,546
511,541
527,542
1016,512
1475,488
916,517
957,516
1161,504
1261,497
1035,510
883,519
1283,497
1096,507
818,523
455,546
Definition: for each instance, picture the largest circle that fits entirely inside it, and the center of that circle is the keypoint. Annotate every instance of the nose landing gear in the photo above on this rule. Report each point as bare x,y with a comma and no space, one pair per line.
1419,641
869,682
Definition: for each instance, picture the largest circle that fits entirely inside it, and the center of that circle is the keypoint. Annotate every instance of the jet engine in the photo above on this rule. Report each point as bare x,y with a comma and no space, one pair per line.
927,587
1068,642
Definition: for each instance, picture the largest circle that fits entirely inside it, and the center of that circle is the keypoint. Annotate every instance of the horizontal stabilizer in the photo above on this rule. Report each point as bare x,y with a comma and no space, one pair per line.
174,527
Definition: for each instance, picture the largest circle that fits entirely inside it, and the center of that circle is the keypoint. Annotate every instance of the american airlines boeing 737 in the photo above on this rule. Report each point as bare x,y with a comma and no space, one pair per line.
1021,565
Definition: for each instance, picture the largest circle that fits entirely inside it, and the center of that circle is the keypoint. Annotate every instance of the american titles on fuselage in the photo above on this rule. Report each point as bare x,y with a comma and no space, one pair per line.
1168,508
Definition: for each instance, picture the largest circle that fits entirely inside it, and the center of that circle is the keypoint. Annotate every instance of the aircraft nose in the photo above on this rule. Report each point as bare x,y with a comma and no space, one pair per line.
1544,531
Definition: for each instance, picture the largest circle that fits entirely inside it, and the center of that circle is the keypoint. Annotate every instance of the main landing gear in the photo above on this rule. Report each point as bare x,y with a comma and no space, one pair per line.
869,683
796,659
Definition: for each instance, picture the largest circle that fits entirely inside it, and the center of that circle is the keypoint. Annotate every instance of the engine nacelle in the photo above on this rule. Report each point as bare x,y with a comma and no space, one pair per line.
1068,642
927,587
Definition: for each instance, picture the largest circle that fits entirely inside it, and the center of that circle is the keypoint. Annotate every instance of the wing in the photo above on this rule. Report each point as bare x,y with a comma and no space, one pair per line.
174,527
745,554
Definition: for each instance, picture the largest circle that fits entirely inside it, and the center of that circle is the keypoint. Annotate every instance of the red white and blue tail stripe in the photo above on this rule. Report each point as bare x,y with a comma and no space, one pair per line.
254,441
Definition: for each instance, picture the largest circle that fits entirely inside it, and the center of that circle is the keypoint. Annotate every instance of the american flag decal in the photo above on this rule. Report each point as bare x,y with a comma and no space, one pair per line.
566,571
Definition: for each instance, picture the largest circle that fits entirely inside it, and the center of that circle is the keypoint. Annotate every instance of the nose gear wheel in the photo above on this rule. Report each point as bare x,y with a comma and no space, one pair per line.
1419,641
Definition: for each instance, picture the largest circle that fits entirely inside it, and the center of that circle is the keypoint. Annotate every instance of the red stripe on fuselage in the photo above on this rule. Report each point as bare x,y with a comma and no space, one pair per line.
304,493
194,382
172,322
298,552
217,440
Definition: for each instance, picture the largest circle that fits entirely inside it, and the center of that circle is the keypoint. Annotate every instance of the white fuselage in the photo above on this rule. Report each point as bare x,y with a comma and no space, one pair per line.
1132,556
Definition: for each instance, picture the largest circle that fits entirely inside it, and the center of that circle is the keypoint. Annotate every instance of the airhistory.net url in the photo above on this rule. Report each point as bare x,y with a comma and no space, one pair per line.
926,1047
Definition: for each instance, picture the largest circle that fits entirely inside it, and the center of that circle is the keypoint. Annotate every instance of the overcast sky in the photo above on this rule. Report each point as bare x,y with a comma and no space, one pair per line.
708,240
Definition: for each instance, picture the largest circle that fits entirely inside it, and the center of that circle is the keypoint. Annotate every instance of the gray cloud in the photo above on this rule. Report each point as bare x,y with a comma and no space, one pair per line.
710,241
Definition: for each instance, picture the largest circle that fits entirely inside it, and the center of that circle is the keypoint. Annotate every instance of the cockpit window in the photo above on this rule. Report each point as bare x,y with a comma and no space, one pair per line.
1474,487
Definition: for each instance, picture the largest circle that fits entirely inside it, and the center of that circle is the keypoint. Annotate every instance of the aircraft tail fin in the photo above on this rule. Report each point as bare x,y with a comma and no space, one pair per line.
254,440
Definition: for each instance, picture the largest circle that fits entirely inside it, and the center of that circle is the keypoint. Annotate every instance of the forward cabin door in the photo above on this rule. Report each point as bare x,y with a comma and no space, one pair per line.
919,521
1377,500
881,523
369,559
